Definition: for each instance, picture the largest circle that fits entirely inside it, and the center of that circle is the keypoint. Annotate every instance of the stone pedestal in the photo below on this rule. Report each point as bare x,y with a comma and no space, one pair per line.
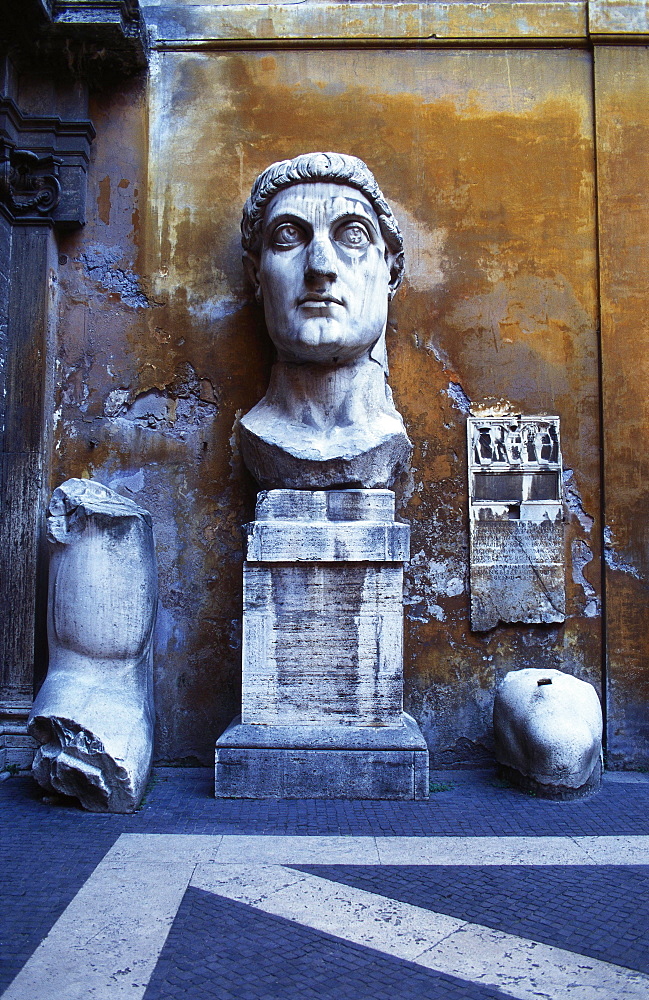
322,713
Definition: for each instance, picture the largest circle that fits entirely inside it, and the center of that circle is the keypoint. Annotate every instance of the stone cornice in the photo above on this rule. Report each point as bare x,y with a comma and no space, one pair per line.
323,23
93,40
618,20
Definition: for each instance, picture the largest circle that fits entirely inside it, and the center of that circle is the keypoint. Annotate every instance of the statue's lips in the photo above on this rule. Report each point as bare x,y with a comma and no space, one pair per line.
313,299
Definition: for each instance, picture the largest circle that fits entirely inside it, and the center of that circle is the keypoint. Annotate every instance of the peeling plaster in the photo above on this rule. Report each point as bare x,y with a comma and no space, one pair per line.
492,408
613,560
440,356
100,264
183,404
429,581
458,397
581,556
573,501
116,402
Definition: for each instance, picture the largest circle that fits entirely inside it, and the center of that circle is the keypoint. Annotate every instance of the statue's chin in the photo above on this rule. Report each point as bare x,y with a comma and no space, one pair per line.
324,344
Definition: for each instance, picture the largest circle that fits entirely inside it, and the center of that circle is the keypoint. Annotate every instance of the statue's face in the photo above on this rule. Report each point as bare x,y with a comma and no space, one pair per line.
322,274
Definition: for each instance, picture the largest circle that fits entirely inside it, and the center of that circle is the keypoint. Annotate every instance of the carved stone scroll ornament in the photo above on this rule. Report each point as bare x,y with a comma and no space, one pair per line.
43,167
28,183
325,255
548,732
93,716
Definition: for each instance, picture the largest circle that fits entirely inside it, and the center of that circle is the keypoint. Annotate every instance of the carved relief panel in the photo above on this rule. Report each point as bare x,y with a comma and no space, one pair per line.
516,520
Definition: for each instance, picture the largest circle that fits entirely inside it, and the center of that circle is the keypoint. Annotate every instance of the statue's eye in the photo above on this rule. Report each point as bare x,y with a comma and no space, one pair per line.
353,235
288,235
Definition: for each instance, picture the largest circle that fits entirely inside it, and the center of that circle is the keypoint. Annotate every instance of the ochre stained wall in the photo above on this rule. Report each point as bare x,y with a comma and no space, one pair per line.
487,158
622,88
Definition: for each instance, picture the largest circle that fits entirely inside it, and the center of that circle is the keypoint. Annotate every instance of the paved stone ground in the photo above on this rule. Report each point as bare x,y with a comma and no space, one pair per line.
264,956
225,948
602,913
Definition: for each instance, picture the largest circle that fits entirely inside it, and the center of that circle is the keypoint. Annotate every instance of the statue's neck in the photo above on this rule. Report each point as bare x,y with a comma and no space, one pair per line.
327,396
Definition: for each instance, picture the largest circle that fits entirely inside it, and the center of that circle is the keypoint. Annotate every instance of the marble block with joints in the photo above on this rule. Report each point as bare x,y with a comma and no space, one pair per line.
322,701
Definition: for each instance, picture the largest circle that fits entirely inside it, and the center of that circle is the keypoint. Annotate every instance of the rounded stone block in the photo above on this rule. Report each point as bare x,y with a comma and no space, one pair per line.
548,732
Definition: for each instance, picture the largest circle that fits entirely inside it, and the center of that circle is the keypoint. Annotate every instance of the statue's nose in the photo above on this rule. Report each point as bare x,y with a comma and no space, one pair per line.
320,260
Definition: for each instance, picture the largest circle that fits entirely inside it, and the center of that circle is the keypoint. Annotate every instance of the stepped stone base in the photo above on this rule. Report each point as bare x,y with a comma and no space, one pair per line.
322,762
322,660
17,748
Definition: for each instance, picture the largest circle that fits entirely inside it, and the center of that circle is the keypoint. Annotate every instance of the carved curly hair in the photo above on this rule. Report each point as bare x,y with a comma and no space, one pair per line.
338,168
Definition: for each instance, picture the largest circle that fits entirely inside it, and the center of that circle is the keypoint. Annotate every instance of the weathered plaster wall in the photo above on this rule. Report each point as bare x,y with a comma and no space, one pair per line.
146,407
622,87
488,160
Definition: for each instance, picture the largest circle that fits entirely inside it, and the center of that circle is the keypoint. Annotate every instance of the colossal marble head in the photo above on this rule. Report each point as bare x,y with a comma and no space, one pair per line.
325,255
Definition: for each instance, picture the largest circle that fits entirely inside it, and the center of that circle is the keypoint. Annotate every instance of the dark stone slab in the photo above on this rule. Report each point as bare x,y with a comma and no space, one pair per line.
97,40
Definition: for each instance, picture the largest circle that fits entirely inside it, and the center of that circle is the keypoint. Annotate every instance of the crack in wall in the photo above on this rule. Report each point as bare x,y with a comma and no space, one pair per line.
458,397
613,559
581,556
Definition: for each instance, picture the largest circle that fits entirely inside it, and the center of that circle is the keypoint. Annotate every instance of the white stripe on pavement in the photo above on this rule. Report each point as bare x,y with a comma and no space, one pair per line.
106,943
523,969
240,849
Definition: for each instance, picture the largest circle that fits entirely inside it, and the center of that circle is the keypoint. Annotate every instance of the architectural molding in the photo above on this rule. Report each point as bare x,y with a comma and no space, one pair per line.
29,184
93,40
43,167
359,23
